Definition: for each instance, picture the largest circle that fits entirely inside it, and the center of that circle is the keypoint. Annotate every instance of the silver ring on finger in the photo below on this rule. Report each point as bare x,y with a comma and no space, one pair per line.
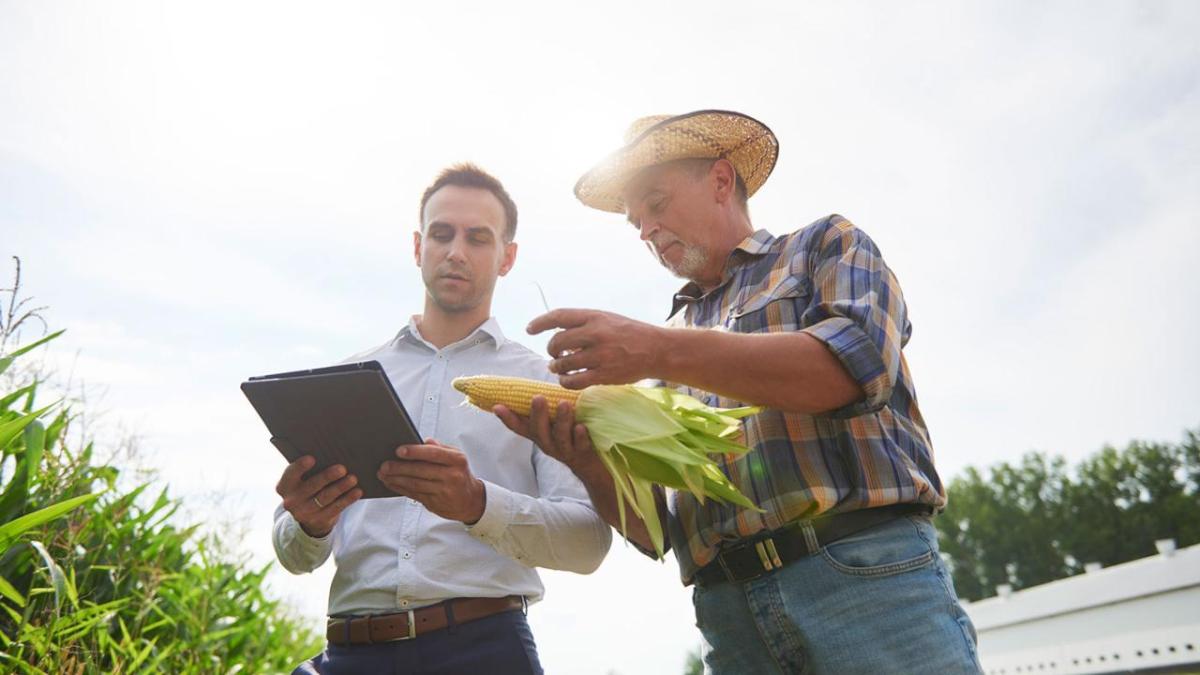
318,502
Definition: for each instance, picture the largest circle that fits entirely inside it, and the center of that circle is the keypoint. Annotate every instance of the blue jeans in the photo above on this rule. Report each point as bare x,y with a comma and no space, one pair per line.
501,643
877,601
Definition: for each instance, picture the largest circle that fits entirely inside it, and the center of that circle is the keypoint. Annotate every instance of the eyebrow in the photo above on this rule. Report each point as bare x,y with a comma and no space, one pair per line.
470,230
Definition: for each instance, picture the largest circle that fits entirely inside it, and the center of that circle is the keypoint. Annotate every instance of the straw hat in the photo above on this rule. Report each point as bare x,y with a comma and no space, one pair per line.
747,143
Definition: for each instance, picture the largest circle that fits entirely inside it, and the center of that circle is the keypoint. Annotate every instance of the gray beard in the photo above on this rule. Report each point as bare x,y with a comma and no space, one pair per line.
691,264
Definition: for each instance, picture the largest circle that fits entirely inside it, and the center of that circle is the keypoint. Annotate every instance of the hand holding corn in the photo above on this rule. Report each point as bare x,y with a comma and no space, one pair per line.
642,435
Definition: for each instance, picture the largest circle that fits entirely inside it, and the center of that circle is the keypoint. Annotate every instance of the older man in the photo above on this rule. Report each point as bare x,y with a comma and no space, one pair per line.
840,573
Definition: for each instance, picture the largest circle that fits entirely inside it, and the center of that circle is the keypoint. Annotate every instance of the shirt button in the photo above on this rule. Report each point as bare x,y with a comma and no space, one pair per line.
407,555
404,603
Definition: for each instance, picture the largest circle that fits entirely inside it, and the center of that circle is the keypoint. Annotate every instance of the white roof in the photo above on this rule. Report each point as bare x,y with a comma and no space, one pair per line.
1147,576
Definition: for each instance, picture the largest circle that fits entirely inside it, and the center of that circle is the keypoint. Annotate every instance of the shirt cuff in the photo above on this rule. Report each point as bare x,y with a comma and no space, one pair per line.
861,359
296,534
497,514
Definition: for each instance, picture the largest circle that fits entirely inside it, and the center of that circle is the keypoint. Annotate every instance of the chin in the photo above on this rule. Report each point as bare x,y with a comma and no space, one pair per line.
455,305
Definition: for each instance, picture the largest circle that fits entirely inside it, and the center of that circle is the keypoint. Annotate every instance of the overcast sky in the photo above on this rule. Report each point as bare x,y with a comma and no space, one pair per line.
206,191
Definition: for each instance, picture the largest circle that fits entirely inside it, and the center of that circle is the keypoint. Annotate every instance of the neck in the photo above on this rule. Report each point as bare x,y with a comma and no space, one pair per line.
441,328
734,229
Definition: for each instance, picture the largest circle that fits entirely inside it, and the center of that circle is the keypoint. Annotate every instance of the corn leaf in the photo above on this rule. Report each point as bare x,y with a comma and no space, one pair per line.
10,592
7,361
11,429
11,530
57,578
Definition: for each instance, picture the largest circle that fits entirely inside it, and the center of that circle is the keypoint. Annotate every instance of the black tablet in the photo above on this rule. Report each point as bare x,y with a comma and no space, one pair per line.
347,414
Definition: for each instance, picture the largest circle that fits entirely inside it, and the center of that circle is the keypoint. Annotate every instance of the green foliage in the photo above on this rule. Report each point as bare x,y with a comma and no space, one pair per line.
97,580
1034,521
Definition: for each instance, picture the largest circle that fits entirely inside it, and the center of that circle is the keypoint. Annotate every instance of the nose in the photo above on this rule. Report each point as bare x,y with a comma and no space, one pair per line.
457,250
646,228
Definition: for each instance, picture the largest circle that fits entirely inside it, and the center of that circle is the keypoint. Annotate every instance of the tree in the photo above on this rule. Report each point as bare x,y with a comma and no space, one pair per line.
1032,522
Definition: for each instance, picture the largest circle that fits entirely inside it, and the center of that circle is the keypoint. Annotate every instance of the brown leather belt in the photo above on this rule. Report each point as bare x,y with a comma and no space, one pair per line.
365,630
758,555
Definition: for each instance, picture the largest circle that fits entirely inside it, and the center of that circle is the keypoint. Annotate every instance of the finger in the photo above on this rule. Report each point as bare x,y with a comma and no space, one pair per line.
583,440
567,341
293,473
563,422
581,360
411,487
438,454
315,484
345,500
330,494
586,378
412,469
559,318
539,420
515,423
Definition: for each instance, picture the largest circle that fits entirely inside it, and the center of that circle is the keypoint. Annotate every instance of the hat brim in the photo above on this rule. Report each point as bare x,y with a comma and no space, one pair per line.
747,143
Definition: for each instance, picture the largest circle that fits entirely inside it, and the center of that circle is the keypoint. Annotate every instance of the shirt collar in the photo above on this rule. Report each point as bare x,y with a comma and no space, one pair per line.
753,246
488,330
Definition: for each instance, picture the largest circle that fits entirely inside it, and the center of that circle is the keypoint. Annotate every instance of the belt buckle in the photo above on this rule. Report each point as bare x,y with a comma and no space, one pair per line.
768,556
412,629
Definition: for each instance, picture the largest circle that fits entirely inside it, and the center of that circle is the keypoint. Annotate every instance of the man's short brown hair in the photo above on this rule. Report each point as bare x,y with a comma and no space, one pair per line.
470,176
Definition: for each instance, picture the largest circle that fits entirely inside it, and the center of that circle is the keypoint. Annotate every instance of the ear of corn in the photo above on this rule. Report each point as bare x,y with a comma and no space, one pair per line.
516,393
644,436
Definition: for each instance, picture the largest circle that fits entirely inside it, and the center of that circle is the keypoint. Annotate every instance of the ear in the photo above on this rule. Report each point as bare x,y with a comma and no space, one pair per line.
417,247
724,180
510,257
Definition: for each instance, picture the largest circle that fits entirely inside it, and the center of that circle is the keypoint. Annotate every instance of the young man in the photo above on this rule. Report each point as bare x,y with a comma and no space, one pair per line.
435,580
840,573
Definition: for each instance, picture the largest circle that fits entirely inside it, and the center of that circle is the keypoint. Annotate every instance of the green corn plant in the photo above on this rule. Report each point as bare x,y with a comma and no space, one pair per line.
96,579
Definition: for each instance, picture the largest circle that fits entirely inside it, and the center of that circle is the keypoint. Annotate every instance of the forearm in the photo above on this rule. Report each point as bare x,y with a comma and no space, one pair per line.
794,372
553,531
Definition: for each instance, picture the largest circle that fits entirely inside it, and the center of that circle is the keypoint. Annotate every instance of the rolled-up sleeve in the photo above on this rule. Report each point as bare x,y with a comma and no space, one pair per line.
857,310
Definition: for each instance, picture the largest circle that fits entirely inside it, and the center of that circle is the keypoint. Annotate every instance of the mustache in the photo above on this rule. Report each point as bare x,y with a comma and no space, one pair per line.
451,270
661,243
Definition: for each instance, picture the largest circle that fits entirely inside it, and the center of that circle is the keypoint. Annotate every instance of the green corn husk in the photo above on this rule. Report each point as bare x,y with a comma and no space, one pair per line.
656,435
643,435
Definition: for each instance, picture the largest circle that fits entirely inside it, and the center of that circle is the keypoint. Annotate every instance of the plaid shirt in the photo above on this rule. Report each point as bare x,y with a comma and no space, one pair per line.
828,280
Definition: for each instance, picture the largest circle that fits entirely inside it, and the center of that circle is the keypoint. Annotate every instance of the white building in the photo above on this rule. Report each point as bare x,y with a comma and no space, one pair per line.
1139,616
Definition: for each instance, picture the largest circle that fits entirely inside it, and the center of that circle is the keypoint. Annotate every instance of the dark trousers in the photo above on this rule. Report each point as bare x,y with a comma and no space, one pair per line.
501,643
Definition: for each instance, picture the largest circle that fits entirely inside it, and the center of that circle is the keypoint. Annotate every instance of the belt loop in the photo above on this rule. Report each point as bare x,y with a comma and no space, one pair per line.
810,537
450,624
369,638
348,620
524,606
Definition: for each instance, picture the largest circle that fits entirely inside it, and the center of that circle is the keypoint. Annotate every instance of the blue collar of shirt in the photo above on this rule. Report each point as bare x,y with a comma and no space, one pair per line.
754,246
488,330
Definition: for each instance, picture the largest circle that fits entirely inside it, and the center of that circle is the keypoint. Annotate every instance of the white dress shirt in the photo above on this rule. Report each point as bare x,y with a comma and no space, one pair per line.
393,554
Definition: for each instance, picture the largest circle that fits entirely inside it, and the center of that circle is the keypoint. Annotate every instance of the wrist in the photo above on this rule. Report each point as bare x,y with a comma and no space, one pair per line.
478,503
313,532
590,469
667,353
